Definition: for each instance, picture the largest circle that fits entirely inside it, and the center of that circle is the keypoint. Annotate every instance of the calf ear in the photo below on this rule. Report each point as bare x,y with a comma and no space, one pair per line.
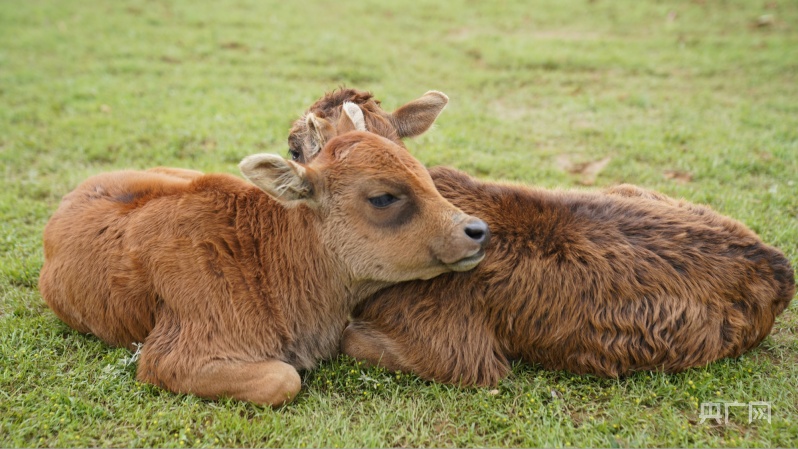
320,131
416,117
285,180
352,118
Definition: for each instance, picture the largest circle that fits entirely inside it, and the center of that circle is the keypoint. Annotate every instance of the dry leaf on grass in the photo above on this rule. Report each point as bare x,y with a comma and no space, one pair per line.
765,20
564,162
590,171
587,171
681,177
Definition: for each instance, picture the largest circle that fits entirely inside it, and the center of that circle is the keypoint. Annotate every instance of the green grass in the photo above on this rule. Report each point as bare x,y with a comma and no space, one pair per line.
692,98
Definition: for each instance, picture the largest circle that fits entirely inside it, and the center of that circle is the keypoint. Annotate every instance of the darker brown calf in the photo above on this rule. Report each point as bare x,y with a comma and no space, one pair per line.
606,283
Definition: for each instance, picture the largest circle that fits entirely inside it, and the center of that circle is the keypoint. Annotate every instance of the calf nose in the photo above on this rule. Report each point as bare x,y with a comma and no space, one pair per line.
478,231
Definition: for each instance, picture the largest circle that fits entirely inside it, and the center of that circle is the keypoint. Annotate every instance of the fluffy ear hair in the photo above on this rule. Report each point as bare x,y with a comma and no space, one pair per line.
351,119
416,117
320,132
285,180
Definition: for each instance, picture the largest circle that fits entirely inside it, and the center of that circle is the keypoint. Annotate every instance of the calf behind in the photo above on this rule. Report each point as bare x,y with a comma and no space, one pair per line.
603,283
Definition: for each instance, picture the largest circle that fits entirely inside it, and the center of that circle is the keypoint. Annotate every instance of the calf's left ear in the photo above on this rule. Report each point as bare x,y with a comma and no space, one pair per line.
286,181
416,117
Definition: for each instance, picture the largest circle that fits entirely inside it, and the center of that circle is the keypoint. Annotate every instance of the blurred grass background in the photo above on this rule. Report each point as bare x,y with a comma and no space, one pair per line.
697,99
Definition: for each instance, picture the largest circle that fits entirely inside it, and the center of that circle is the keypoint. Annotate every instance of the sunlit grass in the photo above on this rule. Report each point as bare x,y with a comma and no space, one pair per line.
696,99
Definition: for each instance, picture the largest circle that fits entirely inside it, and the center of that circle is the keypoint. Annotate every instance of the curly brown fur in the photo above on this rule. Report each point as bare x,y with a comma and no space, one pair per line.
600,283
603,283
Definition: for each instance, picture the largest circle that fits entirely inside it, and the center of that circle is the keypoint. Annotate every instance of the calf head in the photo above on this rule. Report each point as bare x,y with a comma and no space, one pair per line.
326,119
379,211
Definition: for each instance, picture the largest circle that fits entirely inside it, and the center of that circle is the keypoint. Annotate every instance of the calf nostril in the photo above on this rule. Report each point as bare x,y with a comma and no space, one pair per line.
477,230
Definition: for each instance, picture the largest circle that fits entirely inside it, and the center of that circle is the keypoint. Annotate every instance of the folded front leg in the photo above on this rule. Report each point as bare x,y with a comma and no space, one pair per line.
175,360
373,347
269,382
465,357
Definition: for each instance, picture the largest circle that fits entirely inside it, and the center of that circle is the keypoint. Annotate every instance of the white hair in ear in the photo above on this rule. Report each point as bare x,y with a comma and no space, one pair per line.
284,180
355,114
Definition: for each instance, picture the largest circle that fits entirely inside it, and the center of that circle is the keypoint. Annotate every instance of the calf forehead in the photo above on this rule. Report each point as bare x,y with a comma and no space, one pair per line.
360,154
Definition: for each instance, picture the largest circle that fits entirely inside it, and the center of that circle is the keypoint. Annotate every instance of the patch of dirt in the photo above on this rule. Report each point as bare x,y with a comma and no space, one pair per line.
563,35
587,171
682,177
506,112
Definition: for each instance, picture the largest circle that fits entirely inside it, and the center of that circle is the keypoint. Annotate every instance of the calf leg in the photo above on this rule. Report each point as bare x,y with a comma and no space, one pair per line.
175,357
372,347
465,357
268,382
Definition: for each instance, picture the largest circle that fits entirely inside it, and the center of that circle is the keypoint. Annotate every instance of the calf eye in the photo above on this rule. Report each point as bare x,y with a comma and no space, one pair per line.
295,155
383,200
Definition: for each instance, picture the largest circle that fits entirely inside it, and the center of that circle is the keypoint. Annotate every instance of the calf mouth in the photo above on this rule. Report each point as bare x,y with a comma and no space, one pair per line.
469,262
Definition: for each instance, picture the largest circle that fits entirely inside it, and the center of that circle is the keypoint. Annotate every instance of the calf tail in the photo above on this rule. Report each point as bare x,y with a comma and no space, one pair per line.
775,276
768,289
784,277
781,277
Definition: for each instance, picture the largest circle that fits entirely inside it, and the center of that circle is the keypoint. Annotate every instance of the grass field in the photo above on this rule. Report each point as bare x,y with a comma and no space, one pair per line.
697,99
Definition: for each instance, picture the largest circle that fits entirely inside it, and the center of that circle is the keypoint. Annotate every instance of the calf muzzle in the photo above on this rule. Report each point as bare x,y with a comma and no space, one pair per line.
466,246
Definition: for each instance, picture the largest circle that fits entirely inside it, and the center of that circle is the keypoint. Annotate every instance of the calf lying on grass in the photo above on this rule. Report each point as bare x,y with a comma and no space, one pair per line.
606,283
602,283
232,288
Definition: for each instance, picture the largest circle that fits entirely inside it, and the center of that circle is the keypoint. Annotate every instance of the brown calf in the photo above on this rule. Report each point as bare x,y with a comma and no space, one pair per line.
233,287
603,283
